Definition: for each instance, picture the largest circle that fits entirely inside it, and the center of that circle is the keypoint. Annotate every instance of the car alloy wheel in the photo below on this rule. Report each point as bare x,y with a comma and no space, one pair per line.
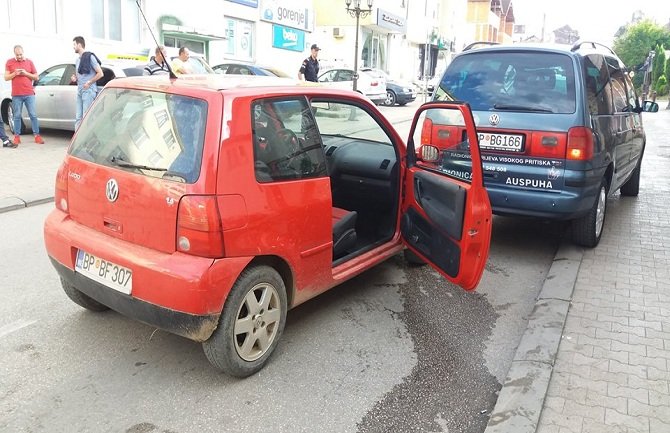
390,98
600,211
257,322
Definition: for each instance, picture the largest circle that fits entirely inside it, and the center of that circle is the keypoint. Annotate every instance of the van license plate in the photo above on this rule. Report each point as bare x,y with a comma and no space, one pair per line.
508,142
104,272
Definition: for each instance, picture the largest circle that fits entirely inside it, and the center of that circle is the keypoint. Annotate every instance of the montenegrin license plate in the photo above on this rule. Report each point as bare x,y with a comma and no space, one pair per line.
508,142
104,272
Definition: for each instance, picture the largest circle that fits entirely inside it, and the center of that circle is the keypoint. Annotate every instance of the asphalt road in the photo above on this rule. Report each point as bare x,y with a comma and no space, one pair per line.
397,349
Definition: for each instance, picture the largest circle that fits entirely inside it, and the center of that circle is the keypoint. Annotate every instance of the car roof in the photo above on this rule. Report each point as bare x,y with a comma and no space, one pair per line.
578,49
238,84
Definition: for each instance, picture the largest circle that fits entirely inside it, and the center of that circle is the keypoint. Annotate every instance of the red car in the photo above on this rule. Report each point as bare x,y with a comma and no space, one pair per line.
211,205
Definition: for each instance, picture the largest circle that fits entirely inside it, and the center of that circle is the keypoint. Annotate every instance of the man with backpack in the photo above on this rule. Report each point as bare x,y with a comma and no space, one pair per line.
87,73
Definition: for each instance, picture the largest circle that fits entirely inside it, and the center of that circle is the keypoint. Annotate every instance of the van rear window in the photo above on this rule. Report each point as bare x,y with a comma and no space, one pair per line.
155,134
515,81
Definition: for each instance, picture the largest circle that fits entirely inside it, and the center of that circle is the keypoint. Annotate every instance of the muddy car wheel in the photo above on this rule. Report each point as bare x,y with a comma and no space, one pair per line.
251,323
587,230
632,186
82,299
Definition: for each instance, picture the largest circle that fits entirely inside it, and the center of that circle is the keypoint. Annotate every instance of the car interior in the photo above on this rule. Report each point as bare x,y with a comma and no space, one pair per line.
293,141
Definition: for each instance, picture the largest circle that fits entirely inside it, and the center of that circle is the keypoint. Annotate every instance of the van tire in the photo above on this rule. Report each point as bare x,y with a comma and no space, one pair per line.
82,299
231,349
632,186
587,230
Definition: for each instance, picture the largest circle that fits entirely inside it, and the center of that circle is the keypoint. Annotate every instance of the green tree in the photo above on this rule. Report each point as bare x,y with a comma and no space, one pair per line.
659,64
661,86
634,44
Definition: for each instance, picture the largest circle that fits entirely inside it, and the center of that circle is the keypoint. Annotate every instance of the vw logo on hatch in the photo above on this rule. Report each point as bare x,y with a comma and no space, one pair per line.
112,190
494,119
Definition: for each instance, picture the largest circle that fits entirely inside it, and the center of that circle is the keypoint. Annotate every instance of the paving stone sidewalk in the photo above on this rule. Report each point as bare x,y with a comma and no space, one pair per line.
29,171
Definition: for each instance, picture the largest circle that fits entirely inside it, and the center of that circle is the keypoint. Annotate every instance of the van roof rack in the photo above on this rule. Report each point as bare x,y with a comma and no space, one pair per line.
479,43
593,44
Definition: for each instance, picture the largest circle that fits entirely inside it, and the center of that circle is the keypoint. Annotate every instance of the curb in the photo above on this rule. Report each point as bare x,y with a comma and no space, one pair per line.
521,398
10,203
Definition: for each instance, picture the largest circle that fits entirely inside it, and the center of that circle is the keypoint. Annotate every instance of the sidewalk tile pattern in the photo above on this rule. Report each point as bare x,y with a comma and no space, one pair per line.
612,371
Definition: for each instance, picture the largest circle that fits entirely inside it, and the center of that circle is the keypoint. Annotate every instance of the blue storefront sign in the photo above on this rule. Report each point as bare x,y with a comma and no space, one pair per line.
287,38
250,3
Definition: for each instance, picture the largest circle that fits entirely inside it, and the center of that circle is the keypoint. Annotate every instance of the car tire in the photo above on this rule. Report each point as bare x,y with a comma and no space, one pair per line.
632,186
390,98
256,307
82,299
587,230
412,259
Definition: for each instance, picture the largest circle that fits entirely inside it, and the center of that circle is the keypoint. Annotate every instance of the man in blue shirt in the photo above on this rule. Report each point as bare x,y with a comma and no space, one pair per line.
310,66
88,72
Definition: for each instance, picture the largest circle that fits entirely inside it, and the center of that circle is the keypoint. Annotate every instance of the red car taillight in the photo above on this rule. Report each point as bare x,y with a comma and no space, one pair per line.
427,131
199,229
580,144
60,193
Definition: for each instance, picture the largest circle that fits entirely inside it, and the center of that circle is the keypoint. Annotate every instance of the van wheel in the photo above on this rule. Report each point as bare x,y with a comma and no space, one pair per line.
251,323
632,186
82,299
412,258
587,230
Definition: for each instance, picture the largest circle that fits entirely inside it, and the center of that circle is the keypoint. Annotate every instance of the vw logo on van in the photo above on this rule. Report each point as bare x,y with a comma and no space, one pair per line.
494,119
112,190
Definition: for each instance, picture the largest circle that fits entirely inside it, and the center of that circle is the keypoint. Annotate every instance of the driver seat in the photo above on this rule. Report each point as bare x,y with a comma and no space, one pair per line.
344,231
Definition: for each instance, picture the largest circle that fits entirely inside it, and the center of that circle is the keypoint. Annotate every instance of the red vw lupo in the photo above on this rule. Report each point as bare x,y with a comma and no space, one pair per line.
209,206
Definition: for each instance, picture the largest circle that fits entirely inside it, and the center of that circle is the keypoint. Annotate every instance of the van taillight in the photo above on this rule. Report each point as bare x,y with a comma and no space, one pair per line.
426,131
60,193
199,230
580,144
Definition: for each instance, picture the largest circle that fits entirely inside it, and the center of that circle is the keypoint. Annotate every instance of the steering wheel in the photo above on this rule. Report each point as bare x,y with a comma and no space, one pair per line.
290,140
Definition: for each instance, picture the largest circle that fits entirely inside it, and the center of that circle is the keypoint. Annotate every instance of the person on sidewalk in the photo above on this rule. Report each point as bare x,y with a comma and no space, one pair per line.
87,73
180,64
309,70
158,64
6,142
21,72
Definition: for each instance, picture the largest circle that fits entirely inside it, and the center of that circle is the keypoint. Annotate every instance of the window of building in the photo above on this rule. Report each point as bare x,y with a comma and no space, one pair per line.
117,20
240,36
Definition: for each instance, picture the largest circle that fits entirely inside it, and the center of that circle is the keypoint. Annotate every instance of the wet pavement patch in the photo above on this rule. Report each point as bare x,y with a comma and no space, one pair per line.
450,389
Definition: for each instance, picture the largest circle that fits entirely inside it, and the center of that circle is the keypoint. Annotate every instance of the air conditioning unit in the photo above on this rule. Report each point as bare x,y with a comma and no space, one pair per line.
338,32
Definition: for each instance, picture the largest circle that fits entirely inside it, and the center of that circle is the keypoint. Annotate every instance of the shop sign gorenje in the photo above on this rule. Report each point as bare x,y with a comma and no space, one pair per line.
289,13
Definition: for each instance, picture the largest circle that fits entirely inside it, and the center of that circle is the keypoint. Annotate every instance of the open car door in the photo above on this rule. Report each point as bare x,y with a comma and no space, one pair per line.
446,214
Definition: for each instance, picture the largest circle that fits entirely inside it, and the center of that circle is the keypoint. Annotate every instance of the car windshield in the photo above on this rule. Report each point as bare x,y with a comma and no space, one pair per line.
541,82
152,133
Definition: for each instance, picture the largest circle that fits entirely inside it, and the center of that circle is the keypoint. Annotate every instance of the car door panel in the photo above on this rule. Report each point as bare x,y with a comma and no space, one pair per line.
446,220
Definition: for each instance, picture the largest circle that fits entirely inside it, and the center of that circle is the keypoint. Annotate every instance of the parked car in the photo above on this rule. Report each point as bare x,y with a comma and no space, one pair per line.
56,96
210,207
559,127
397,92
249,69
372,87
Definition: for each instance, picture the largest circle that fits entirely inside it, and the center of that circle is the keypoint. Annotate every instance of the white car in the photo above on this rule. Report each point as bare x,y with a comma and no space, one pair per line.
372,87
56,95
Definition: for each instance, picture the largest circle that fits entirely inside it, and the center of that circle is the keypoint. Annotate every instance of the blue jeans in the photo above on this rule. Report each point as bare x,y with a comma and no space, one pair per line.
85,98
17,105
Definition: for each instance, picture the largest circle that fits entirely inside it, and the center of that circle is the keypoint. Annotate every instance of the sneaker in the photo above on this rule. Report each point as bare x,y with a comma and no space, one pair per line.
17,140
7,143
39,139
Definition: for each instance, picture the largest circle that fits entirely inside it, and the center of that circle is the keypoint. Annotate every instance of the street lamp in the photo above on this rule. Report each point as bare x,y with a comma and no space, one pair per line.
357,13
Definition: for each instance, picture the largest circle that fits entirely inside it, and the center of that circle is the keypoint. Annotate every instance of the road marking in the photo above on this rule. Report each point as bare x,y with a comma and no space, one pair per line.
15,326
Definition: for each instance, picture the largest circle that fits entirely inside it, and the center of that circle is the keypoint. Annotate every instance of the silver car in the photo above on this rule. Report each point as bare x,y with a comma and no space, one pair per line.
56,95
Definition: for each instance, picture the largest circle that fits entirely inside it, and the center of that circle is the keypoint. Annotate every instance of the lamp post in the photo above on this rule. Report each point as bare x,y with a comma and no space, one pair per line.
357,13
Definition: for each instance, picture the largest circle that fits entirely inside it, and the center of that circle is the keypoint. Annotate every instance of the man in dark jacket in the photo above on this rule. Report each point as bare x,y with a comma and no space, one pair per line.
310,66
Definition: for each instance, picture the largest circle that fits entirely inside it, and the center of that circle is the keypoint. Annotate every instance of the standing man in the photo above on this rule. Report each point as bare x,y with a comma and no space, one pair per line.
22,73
180,64
158,64
309,70
87,73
